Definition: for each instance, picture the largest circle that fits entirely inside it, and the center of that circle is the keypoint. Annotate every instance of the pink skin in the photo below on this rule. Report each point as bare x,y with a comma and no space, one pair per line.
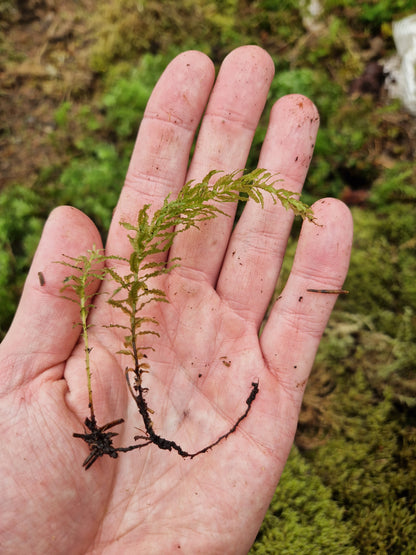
153,501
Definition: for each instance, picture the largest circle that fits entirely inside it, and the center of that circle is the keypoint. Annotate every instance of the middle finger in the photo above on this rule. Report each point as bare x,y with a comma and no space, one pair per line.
224,141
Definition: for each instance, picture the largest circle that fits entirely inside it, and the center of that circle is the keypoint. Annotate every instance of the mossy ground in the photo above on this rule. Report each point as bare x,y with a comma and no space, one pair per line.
74,90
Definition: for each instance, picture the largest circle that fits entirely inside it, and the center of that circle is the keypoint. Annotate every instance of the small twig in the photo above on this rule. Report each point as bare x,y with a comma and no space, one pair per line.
329,291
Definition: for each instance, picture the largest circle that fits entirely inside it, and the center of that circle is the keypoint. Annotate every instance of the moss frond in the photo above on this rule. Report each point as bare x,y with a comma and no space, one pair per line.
150,236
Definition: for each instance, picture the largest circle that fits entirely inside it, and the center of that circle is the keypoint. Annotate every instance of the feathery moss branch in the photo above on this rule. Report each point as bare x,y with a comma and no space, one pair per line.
88,270
150,236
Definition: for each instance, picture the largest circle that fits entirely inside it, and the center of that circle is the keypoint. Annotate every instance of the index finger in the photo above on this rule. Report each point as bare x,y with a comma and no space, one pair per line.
160,157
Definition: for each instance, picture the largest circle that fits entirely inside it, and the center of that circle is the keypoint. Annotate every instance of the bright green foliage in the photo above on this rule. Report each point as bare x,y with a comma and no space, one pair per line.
303,518
127,91
303,80
125,104
92,181
21,220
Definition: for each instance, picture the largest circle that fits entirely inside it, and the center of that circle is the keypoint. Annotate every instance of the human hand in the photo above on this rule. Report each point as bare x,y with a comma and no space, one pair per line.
208,353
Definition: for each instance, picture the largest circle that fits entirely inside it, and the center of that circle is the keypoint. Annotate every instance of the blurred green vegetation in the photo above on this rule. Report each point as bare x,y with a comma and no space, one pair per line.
350,484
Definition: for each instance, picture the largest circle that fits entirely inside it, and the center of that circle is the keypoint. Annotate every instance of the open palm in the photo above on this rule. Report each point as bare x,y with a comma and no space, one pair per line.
207,356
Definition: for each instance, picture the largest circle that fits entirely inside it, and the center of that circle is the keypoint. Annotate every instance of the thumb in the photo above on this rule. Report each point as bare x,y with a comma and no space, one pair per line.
42,333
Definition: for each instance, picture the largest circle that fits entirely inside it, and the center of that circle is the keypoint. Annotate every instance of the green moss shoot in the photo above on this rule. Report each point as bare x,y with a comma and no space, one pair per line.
149,236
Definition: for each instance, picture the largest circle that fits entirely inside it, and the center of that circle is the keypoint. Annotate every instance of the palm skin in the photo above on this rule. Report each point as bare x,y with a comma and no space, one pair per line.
208,353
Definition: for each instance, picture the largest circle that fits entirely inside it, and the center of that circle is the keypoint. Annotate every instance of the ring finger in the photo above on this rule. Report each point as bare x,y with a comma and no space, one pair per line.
255,253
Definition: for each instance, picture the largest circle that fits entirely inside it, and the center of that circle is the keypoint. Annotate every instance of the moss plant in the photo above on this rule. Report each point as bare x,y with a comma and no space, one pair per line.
22,215
149,236
303,518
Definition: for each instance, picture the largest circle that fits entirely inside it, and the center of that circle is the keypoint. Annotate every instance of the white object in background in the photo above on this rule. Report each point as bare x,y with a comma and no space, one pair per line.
404,34
310,16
